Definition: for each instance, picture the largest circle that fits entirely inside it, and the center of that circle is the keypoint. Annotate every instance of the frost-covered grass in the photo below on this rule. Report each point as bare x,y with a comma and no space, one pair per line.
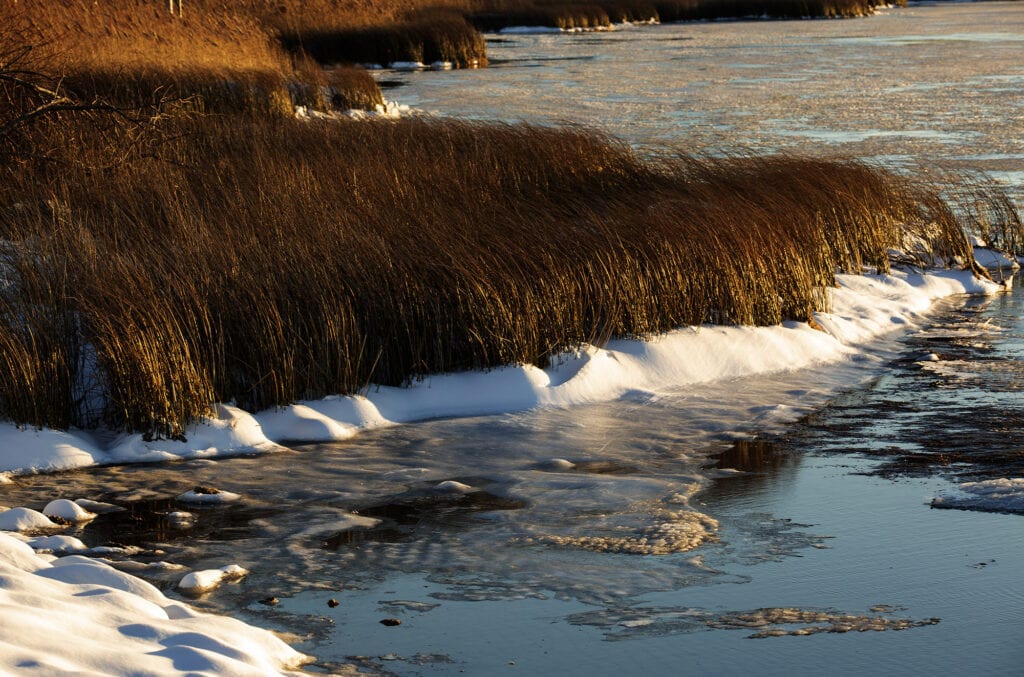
262,262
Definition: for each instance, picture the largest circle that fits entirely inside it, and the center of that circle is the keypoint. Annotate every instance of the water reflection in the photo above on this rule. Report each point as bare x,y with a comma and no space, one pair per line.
753,467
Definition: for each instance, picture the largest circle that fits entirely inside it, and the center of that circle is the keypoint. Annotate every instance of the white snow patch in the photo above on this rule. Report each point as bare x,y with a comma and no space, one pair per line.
453,487
389,109
98,507
201,582
406,66
998,495
109,622
27,451
68,510
231,432
57,544
995,261
216,497
25,519
862,308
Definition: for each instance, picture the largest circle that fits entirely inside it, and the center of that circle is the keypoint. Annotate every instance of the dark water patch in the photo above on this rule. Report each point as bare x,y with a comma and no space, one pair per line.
408,516
950,405
756,455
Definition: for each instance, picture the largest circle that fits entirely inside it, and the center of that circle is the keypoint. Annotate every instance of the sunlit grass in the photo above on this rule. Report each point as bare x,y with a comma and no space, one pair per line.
262,261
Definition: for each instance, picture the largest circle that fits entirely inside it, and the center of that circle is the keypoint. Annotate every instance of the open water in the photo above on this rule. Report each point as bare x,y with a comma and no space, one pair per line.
778,525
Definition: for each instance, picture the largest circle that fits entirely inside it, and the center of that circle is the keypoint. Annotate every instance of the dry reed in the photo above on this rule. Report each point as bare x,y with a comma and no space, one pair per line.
266,261
135,54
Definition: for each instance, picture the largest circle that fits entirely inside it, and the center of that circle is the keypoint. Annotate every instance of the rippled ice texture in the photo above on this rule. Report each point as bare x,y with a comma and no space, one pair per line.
931,82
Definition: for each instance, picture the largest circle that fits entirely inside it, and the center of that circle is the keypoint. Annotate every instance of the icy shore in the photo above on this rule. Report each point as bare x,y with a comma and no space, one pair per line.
862,308
120,624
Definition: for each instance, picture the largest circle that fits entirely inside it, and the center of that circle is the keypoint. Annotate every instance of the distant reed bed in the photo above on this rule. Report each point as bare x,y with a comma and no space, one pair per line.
264,261
135,54
493,15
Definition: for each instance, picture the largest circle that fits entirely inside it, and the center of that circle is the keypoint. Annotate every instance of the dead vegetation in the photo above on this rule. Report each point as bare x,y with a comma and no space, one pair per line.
263,261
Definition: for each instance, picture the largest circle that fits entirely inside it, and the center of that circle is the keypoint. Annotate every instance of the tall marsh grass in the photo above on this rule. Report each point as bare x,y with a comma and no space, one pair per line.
135,54
492,15
426,38
263,261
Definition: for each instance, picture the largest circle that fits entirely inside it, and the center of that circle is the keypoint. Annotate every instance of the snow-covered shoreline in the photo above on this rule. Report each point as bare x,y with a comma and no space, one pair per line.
76,615
116,623
863,307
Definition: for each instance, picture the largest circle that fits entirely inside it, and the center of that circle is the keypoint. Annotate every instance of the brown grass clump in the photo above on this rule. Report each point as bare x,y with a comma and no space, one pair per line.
991,215
266,261
135,54
492,15
426,38
702,10
497,14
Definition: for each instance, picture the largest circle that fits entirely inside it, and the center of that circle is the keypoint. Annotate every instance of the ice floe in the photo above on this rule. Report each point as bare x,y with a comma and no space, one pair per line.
998,495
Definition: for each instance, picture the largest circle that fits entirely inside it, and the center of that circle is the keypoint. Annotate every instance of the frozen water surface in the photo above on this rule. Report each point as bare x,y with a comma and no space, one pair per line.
927,82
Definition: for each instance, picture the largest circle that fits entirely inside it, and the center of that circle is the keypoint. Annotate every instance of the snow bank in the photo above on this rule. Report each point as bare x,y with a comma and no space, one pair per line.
862,308
996,261
999,495
76,615
391,110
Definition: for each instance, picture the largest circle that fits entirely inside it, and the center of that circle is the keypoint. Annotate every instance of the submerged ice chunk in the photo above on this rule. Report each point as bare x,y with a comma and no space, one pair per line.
208,496
673,532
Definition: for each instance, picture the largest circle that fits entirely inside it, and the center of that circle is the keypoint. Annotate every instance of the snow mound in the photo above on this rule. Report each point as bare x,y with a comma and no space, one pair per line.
995,260
109,622
25,519
68,510
453,487
406,65
998,495
208,496
57,544
98,507
201,582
